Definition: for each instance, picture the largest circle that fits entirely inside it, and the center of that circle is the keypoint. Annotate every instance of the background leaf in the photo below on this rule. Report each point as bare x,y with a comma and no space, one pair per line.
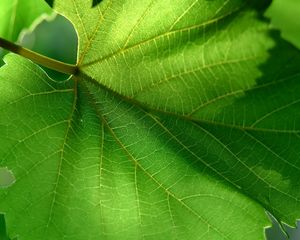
16,15
284,16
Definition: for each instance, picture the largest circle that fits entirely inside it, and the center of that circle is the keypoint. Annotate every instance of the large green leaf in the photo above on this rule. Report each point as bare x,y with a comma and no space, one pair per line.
182,124
210,68
90,166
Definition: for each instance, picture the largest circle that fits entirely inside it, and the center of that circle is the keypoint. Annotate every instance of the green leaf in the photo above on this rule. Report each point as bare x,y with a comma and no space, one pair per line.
19,14
159,60
284,16
180,125
102,168
16,15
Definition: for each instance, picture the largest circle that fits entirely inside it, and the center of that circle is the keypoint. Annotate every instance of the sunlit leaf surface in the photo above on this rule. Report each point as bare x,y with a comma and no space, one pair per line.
180,125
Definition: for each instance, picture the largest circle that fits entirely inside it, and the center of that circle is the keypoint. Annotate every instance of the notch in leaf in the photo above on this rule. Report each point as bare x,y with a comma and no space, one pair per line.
50,2
7,178
95,2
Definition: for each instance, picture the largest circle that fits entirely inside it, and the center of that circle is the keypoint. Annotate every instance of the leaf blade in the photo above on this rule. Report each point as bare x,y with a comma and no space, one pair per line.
128,169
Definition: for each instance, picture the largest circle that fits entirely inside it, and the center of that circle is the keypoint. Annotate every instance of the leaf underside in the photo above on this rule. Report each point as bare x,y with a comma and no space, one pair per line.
180,126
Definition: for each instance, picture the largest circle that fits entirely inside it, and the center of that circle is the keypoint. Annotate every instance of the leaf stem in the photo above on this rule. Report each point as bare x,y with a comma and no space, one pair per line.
39,59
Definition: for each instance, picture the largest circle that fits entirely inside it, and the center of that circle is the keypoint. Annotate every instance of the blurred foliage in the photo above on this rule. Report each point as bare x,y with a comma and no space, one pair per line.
284,15
15,19
276,232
